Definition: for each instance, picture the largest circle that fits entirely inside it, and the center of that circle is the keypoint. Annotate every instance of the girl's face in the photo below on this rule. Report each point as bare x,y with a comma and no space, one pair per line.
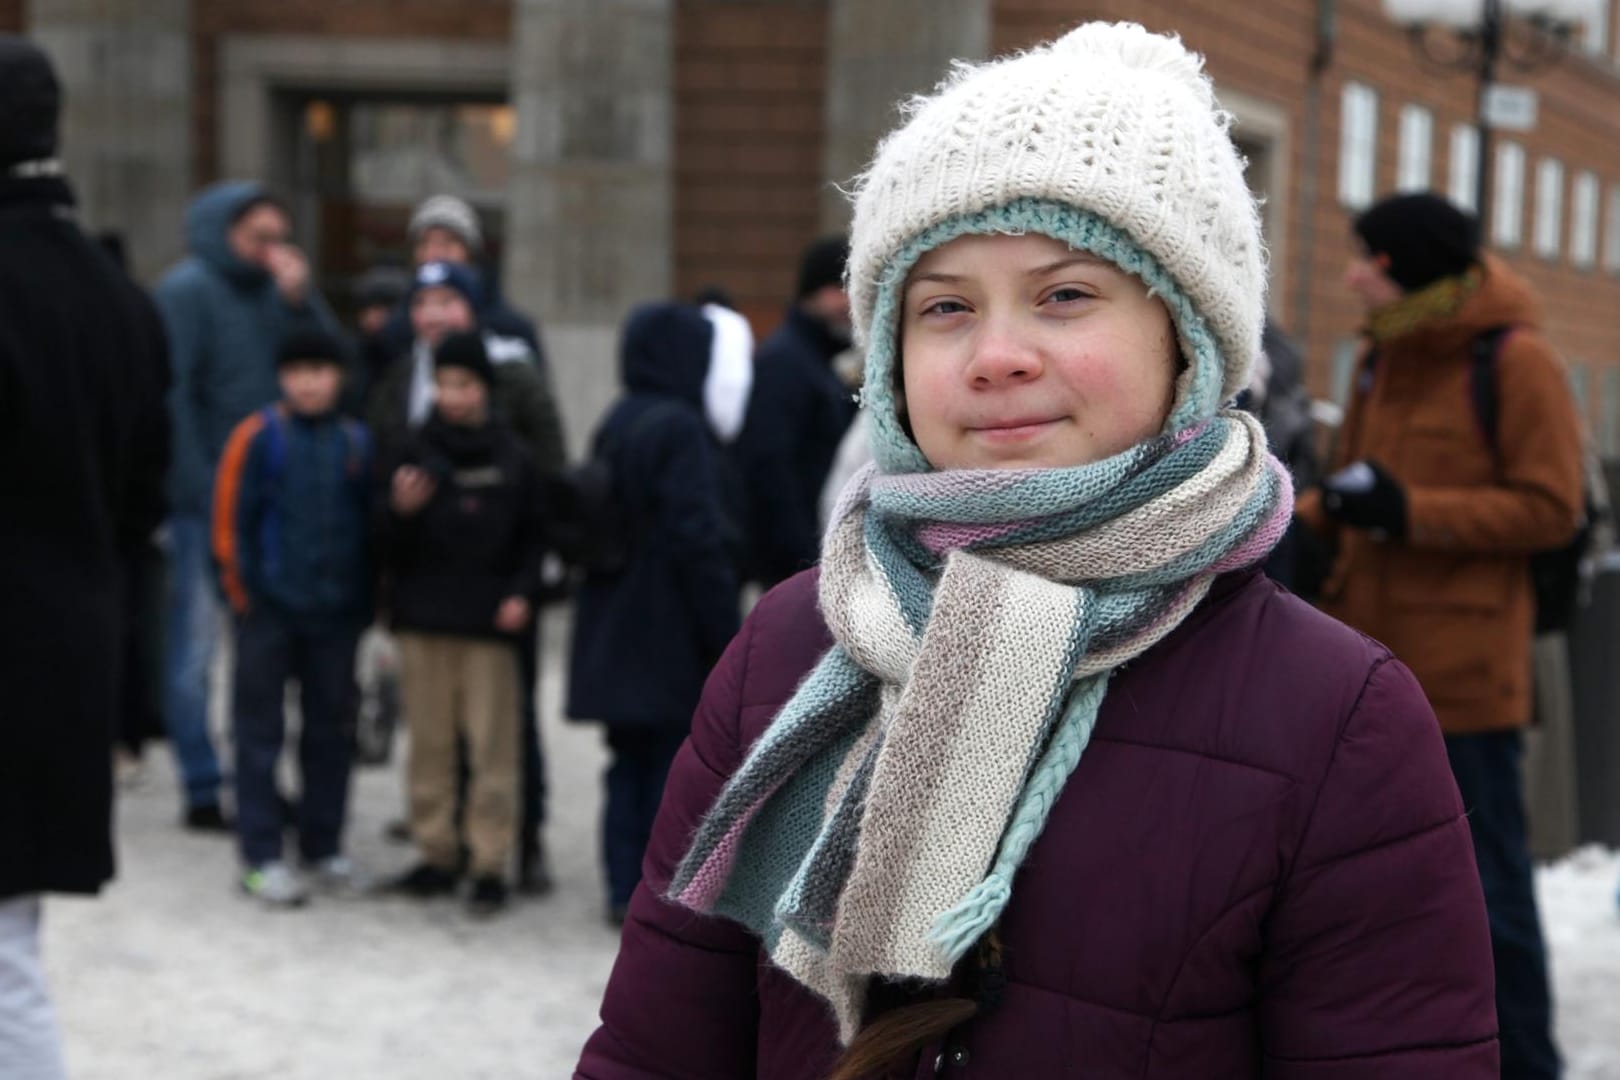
1020,352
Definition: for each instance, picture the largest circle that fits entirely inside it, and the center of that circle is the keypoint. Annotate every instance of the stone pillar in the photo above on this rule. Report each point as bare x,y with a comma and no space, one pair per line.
125,68
878,53
591,197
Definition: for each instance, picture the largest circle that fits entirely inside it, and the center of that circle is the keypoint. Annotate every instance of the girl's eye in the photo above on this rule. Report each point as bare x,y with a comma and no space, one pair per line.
944,307
1068,294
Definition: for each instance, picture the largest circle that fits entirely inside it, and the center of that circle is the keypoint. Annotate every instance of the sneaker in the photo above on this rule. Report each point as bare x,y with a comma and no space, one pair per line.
207,818
275,885
424,881
336,875
534,874
488,896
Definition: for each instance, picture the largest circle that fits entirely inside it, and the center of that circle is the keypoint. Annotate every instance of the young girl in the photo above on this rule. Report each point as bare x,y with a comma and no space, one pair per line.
1039,777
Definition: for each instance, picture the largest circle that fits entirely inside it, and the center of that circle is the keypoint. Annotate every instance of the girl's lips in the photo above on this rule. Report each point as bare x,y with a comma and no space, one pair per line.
1013,430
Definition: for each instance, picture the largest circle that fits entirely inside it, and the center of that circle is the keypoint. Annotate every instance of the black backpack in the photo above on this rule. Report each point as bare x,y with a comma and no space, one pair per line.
1555,574
593,528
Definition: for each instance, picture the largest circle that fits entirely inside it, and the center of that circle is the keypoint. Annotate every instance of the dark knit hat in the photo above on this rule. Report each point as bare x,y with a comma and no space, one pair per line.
465,350
823,264
449,276
309,346
1424,236
382,286
30,102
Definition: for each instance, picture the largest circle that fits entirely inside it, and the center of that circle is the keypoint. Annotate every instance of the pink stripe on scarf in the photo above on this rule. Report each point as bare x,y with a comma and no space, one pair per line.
702,893
1264,538
942,536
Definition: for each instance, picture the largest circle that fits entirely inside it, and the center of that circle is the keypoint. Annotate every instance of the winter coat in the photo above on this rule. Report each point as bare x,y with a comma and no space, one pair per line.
225,320
1260,867
521,398
85,438
1453,599
796,418
291,517
645,639
476,543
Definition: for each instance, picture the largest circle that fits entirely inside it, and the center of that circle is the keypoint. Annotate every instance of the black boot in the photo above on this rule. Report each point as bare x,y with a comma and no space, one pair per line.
534,873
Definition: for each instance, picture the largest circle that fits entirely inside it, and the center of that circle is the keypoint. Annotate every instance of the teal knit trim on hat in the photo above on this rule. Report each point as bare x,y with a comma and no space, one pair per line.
1080,229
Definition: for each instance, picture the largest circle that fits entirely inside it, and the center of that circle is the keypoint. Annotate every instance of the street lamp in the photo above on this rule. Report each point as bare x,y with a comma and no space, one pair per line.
1476,36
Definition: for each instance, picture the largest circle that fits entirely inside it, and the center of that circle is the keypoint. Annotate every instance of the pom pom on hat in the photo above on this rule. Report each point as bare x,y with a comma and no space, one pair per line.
1108,139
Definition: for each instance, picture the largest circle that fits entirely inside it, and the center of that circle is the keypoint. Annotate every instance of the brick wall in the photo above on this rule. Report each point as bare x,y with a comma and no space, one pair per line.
1263,51
749,77
461,20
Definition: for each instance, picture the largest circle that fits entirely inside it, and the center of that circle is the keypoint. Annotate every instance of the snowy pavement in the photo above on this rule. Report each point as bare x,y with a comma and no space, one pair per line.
173,974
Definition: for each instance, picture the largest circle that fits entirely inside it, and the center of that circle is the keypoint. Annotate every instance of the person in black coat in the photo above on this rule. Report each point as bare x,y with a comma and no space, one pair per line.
85,440
463,543
646,637
797,416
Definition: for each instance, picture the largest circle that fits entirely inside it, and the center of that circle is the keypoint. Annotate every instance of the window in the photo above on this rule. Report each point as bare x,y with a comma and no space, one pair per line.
1595,28
1344,369
1358,145
1507,217
1417,140
1611,233
1611,412
1464,177
1549,207
1583,223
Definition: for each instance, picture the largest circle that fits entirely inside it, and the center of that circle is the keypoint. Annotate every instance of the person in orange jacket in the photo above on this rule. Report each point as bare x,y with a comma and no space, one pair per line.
1437,499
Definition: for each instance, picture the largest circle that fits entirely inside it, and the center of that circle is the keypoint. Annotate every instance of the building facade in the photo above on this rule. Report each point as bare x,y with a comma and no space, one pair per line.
623,150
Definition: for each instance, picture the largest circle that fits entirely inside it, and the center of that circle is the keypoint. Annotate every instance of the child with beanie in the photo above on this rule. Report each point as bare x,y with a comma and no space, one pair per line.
462,550
1038,775
291,538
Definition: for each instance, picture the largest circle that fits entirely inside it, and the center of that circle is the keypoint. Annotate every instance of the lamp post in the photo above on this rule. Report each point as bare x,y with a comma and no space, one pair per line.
1476,37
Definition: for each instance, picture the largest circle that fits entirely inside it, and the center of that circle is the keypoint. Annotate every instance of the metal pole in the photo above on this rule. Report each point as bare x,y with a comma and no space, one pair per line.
1490,49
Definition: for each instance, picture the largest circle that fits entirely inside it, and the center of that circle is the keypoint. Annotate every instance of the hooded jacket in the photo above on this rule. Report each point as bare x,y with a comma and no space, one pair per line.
1453,599
645,639
798,415
225,320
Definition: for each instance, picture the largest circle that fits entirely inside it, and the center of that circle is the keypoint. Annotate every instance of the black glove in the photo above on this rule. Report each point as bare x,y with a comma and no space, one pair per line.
1364,496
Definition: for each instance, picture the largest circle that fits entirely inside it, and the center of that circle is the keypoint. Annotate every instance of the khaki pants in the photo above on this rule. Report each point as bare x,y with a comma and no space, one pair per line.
461,686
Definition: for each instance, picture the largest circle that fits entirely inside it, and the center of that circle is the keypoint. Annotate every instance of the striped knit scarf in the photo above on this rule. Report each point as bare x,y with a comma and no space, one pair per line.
875,827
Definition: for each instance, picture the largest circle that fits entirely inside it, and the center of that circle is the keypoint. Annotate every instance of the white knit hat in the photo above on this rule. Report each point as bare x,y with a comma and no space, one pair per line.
448,212
1109,139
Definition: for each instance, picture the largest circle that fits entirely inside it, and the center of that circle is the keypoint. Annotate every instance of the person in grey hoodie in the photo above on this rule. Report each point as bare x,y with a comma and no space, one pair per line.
226,307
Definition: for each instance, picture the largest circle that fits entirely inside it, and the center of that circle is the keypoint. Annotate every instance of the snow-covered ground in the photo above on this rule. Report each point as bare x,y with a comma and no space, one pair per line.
1583,930
172,974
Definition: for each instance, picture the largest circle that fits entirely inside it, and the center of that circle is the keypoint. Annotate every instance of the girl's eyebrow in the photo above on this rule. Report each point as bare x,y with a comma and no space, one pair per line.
943,279
1079,258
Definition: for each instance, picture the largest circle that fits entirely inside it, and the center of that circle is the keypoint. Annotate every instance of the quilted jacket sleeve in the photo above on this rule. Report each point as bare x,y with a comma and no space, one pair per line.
1378,955
681,1002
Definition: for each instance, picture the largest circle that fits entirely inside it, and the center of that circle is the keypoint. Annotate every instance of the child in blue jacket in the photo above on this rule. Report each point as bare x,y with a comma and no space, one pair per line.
290,536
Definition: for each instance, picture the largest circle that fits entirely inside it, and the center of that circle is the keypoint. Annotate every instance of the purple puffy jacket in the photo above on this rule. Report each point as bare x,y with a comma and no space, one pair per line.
1259,868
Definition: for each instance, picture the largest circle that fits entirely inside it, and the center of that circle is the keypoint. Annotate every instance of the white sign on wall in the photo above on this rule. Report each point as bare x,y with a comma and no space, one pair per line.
1510,108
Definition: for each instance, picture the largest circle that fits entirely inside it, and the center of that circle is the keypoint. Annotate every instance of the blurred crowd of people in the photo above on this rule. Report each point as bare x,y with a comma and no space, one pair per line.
225,460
